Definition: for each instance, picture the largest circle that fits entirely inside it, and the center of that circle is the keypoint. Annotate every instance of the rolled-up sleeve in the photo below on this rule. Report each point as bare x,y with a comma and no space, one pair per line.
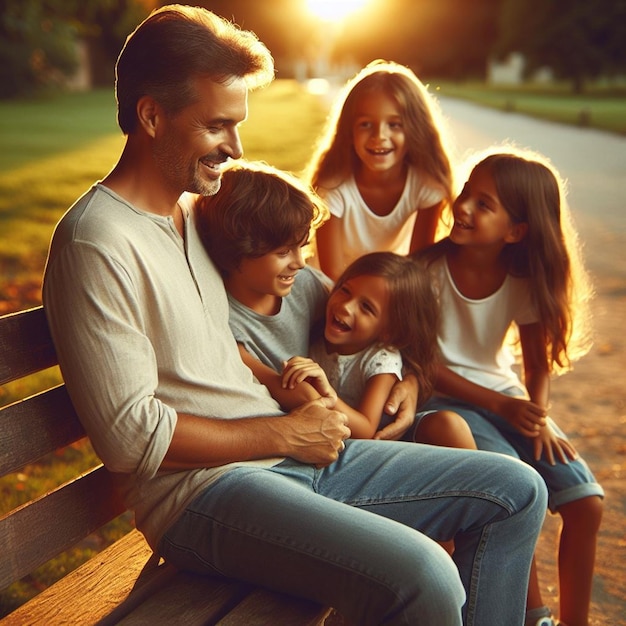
107,359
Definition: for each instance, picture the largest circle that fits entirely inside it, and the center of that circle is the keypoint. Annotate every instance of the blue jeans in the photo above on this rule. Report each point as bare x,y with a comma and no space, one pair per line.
566,482
358,535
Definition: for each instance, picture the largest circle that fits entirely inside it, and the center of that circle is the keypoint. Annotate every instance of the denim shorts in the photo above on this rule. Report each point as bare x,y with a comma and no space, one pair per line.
566,482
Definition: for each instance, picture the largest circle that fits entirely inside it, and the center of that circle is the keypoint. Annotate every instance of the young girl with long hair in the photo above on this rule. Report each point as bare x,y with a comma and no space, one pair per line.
381,317
382,167
512,261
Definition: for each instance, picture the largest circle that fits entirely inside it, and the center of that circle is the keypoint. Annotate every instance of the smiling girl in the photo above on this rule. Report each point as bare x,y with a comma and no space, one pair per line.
381,320
511,262
381,167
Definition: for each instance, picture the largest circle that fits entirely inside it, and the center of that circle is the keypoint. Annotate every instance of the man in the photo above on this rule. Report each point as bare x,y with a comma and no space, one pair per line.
220,480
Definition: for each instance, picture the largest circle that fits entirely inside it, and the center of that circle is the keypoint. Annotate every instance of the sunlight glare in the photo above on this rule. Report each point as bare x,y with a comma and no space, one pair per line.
318,86
334,10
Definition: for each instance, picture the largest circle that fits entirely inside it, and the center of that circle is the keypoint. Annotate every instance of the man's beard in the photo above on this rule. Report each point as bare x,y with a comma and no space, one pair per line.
205,187
188,178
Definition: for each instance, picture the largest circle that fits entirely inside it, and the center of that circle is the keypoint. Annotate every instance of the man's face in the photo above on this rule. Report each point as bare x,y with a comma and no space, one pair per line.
191,146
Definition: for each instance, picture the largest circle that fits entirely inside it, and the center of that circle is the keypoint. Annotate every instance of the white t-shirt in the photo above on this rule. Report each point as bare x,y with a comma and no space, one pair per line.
473,332
363,231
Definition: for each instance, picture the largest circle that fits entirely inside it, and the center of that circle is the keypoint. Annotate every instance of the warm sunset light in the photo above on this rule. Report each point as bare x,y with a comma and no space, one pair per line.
334,10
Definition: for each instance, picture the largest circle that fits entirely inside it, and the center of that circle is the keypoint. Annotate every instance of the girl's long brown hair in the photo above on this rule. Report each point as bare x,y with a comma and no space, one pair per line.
413,314
334,159
532,192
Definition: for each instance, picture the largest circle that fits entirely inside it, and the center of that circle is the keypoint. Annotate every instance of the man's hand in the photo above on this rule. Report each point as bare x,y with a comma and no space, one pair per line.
402,403
313,433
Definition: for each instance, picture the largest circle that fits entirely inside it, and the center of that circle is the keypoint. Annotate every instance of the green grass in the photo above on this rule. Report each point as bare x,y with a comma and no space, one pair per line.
34,129
601,107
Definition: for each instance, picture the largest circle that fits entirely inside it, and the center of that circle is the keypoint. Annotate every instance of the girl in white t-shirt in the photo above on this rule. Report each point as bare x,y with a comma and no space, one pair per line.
511,262
381,167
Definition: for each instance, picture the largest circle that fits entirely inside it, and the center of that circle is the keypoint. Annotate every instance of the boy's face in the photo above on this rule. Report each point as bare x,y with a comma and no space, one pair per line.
260,282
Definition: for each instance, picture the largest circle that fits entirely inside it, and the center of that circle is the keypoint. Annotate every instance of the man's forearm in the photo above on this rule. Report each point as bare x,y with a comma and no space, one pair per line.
211,442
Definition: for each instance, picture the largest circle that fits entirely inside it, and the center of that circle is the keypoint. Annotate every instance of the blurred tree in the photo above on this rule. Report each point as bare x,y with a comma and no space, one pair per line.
103,25
36,47
39,39
578,39
281,25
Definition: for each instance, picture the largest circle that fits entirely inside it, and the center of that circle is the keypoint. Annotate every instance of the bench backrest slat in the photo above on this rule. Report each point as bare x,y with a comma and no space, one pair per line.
35,532
49,416
25,344
68,514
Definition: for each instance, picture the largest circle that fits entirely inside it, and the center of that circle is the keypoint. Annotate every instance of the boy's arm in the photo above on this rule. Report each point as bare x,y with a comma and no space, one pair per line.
288,399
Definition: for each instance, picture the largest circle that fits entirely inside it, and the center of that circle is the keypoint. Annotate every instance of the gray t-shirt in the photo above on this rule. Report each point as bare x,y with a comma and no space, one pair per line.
139,318
273,339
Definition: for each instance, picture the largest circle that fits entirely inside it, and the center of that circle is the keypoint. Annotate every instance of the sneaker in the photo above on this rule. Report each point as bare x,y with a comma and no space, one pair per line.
540,616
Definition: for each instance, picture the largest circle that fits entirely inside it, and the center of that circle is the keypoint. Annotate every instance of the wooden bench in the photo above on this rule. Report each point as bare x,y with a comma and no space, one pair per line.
122,584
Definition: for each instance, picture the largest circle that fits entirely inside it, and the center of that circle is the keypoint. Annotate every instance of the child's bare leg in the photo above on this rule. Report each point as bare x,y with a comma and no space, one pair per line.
577,551
534,600
445,428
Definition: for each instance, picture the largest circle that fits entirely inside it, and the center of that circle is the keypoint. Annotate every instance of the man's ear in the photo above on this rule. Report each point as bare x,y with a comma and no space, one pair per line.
148,112
517,233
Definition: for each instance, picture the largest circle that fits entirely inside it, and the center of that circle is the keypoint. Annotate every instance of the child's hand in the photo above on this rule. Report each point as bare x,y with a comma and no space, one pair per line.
526,416
549,442
298,369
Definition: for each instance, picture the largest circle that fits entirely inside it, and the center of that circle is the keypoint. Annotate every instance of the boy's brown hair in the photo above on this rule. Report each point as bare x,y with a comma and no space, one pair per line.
257,209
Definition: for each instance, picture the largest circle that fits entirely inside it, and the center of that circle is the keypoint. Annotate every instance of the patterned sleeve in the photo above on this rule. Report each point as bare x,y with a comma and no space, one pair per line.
382,361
